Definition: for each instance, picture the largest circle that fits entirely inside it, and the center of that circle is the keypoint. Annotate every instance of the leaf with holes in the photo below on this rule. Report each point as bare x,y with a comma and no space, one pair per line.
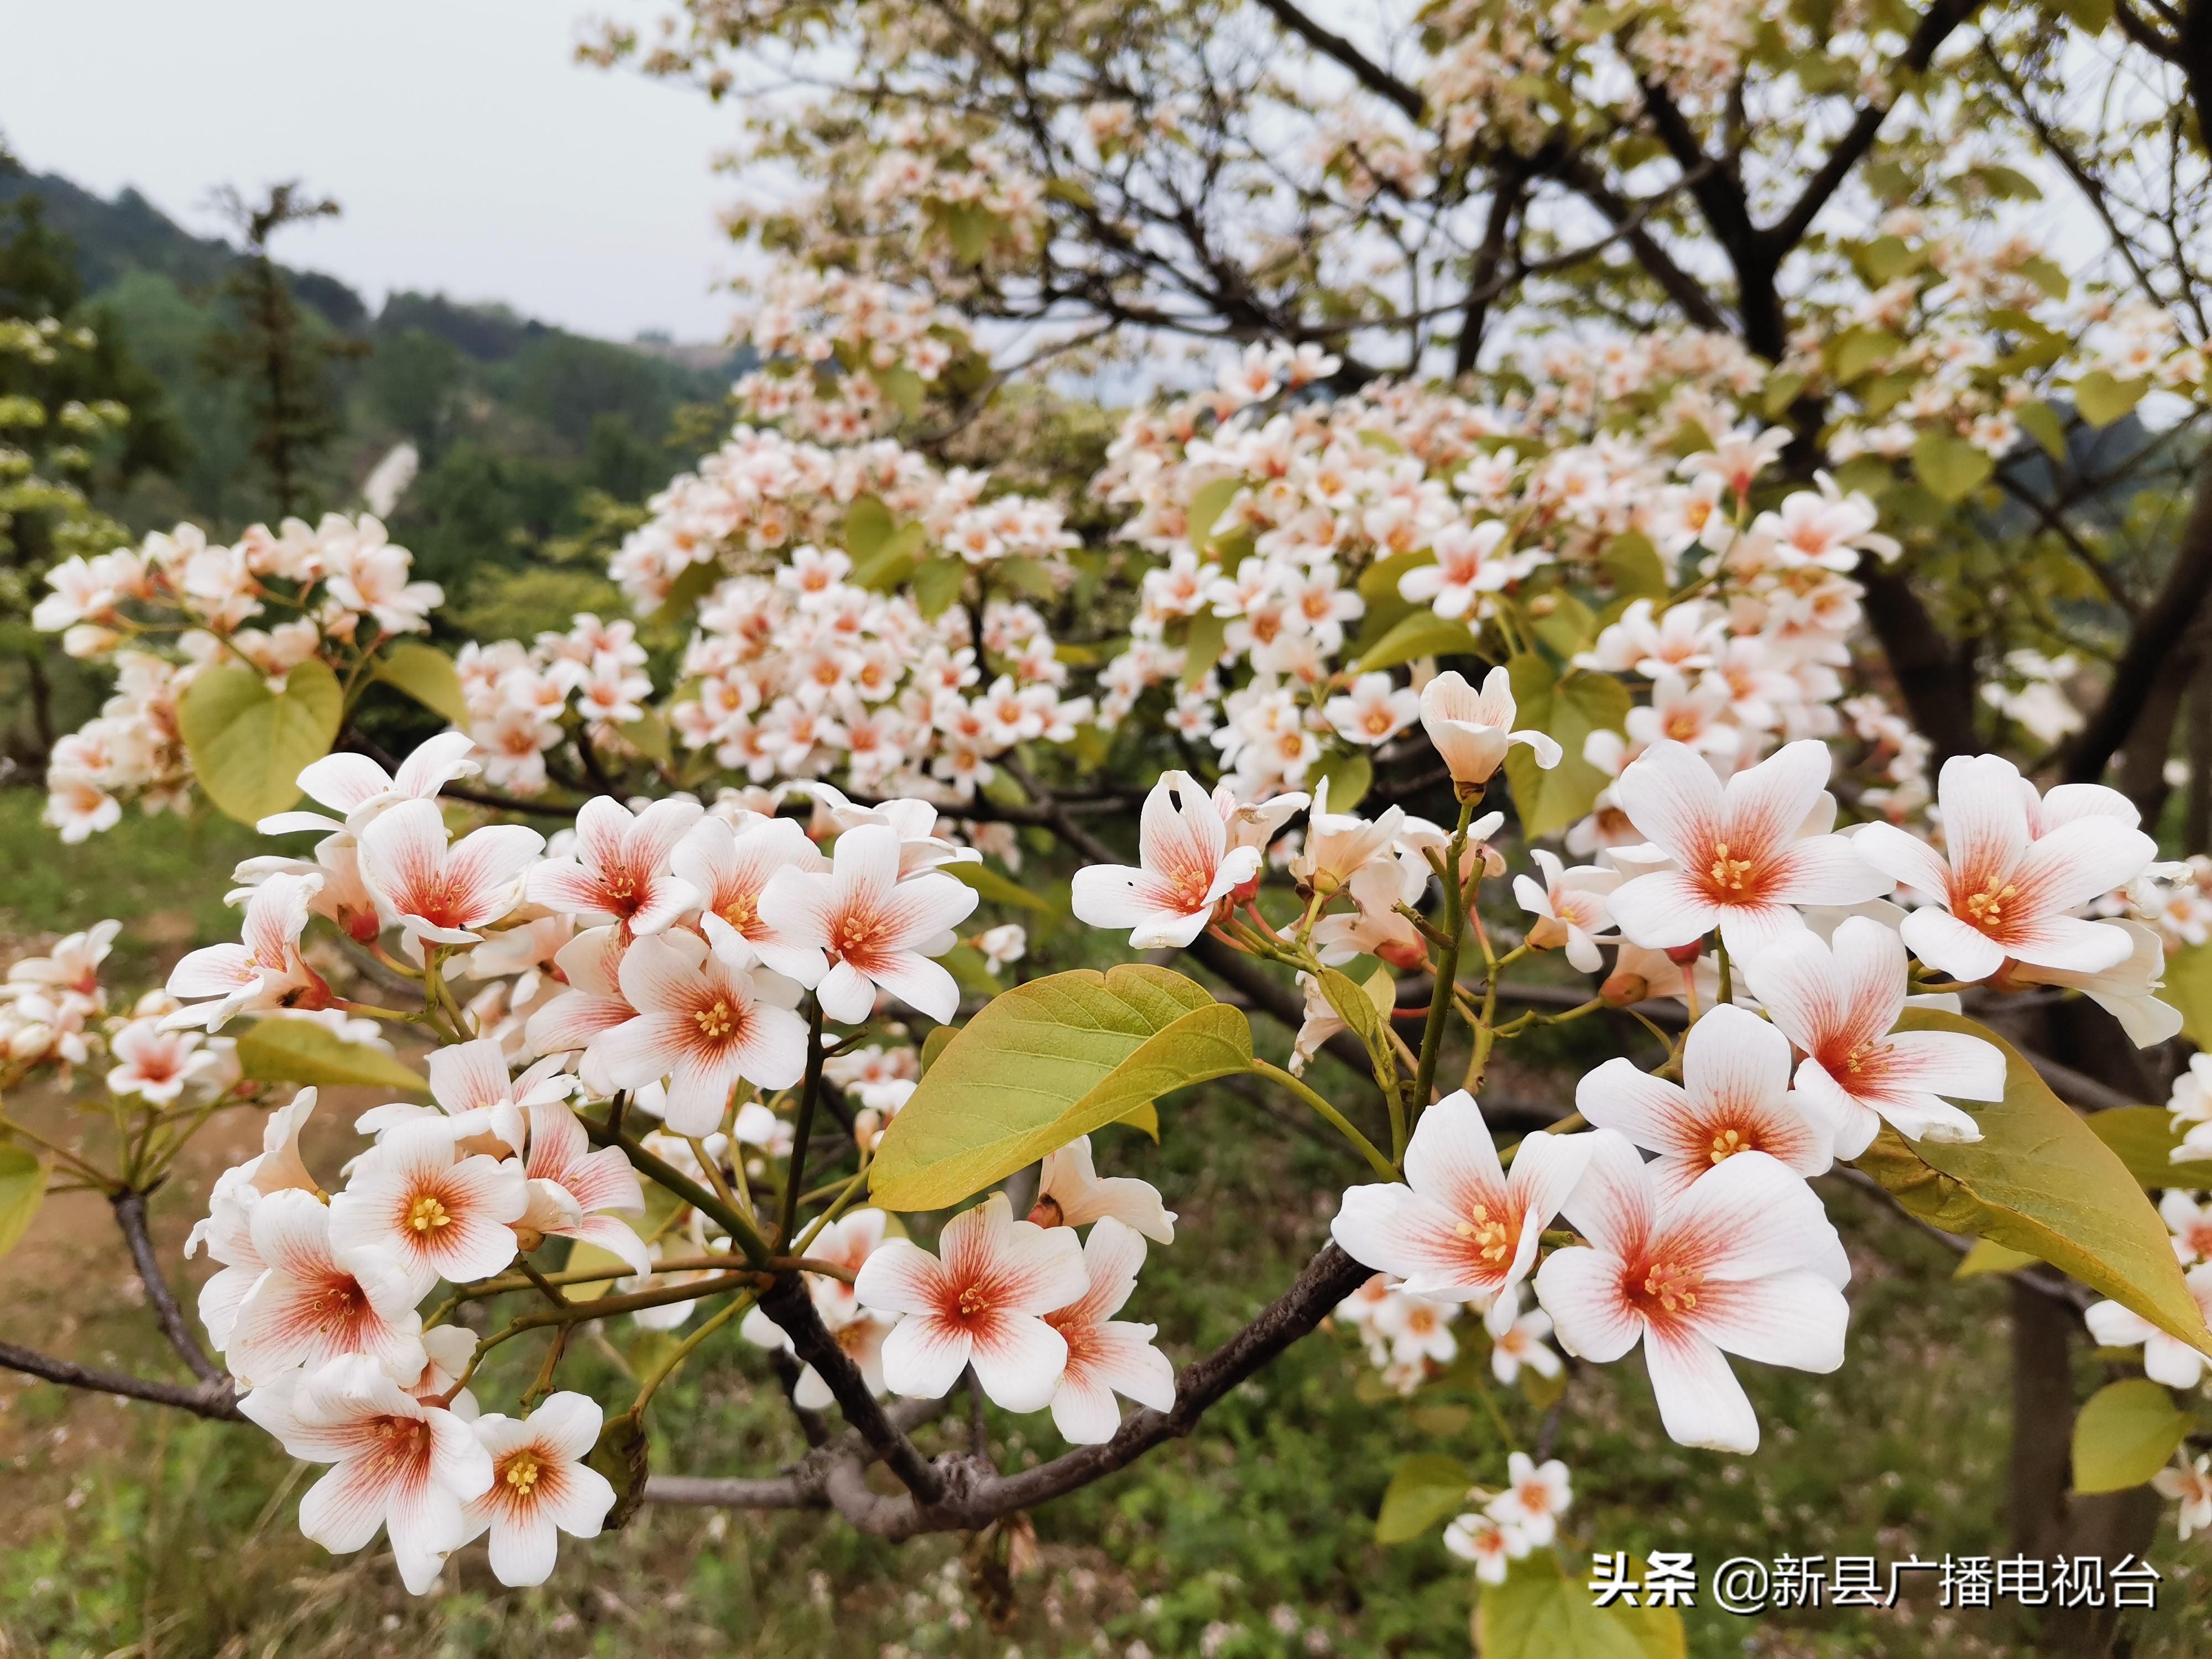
1050,1061
248,744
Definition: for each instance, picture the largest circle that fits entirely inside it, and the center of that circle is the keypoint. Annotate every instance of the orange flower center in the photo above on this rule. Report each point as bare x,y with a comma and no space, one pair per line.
716,1022
428,1214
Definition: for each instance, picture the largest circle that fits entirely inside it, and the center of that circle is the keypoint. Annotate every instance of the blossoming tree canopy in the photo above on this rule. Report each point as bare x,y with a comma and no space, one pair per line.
1398,687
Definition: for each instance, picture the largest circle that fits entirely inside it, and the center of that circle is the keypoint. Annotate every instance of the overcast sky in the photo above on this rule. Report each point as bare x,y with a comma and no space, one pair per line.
472,154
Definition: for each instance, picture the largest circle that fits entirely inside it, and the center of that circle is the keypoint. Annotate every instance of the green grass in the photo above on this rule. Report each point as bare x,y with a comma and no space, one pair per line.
1253,1537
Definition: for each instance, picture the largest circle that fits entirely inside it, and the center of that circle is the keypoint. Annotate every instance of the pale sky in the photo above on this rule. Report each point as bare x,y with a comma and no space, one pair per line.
472,154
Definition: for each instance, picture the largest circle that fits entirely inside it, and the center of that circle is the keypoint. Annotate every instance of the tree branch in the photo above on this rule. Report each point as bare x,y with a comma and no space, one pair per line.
216,1399
130,1217
1334,46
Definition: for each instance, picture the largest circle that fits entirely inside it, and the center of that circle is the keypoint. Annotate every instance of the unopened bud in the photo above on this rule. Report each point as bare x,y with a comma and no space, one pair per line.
1685,956
1048,1213
1621,990
527,1239
1405,956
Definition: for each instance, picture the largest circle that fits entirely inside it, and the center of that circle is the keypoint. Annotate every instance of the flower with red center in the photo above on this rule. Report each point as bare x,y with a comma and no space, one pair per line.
439,892
155,1065
401,1465
593,1004
310,1305
1570,909
264,970
621,872
540,1486
1186,868
442,1215
1070,1194
1461,1229
1107,1356
1734,1098
1488,1543
1745,854
595,1183
2190,1224
980,1301
1743,1262
703,1025
2005,892
1536,1495
1838,1002
861,927
729,869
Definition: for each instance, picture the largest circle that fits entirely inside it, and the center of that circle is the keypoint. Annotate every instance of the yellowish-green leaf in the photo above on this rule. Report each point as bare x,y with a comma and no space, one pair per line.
1144,1119
2102,399
2041,422
903,387
692,584
996,889
1025,575
2189,988
2040,1181
1569,709
1855,350
282,1049
1424,1490
2124,1434
249,745
1563,622
935,1043
937,583
428,675
1202,645
1423,633
1542,1612
1047,1062
22,1187
1380,581
1781,392
1349,774
868,526
1949,466
1634,568
649,735
2143,1138
1988,1256
1206,508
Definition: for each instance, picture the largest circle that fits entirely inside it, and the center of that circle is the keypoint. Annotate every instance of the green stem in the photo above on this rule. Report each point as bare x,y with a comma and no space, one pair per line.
740,1227
666,1368
1334,1119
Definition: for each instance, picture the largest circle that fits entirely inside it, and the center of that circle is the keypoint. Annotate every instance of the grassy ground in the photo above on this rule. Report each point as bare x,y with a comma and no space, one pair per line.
129,1530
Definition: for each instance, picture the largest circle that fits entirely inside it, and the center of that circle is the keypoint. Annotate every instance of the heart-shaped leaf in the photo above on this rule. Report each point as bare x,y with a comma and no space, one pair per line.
1050,1061
2041,1181
2124,1434
248,744
428,675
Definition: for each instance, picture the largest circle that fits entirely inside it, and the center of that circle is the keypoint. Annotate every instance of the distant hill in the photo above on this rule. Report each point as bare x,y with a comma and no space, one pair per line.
531,437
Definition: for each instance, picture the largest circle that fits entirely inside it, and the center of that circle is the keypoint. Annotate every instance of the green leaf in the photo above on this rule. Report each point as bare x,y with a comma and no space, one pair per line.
937,583
2040,1181
1379,582
1988,1256
1540,1612
1424,1490
2091,17
934,1044
2102,399
1569,709
1202,645
1424,634
2041,422
1000,889
1564,623
970,971
696,581
893,564
1206,508
249,745
2124,1435
868,526
2189,988
428,675
2143,1138
1365,1008
1047,1062
1855,350
279,1049
649,735
1634,568
1781,392
1952,468
903,387
1025,575
1350,775
22,1187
